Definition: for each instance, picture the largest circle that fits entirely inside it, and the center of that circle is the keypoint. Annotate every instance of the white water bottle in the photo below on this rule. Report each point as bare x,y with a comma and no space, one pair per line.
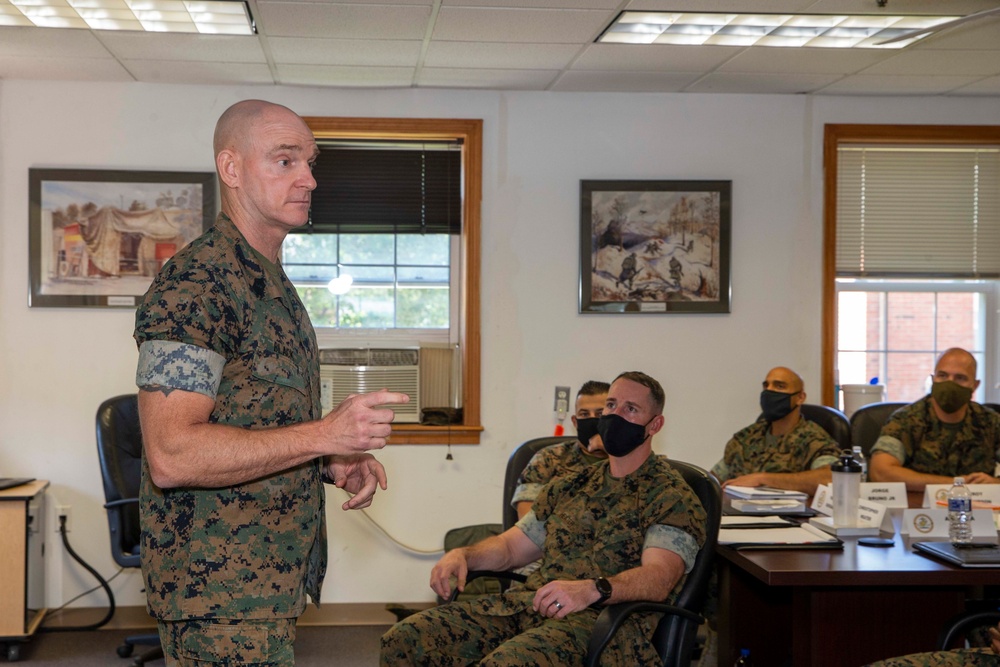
859,456
959,513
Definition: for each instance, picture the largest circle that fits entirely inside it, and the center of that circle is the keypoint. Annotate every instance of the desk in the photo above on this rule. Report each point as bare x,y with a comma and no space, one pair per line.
22,575
837,608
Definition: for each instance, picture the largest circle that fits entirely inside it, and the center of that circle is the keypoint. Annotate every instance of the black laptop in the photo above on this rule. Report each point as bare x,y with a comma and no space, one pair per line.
974,555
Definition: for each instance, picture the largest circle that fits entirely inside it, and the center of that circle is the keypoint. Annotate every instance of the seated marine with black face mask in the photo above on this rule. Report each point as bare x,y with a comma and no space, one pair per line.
943,435
782,449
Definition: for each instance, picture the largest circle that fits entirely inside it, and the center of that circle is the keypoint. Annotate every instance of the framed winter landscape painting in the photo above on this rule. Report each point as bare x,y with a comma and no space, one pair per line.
97,238
655,246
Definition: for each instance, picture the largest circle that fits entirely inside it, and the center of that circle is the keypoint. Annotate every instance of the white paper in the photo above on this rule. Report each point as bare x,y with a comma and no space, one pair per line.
888,494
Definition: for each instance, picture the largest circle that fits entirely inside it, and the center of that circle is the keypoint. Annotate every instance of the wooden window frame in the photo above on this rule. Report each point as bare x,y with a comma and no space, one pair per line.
833,136
470,133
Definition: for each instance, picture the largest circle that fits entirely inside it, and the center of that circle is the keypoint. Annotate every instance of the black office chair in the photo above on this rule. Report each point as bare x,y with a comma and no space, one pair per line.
982,614
516,464
867,422
675,636
832,421
119,449
995,407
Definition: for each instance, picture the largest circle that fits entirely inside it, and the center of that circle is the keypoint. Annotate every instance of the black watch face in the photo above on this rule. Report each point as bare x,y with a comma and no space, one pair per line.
603,587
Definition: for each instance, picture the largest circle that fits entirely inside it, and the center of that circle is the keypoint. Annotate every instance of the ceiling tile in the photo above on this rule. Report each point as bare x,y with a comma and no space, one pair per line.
539,26
653,57
370,52
160,46
734,82
497,55
624,82
284,19
496,79
988,86
865,84
940,63
180,71
347,77
764,59
981,34
542,4
62,69
49,43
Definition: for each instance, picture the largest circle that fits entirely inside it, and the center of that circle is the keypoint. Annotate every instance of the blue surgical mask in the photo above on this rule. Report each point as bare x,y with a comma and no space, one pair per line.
620,436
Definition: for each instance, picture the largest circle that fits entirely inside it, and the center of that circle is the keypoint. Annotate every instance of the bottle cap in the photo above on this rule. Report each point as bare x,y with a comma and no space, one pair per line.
846,463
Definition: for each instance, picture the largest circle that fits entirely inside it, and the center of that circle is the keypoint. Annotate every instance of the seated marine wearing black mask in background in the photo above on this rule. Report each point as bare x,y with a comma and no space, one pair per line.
943,435
625,529
782,449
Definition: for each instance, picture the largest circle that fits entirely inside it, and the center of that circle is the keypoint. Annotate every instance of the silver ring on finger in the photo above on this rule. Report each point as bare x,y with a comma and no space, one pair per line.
557,604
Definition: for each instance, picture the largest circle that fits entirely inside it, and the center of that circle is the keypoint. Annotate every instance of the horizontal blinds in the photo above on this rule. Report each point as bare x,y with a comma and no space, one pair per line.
385,188
918,211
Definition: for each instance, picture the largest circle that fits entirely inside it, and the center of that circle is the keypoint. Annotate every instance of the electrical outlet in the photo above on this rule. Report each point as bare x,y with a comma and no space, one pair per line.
562,401
62,510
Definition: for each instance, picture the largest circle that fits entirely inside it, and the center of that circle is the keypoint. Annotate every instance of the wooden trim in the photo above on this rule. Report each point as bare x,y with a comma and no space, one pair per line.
833,136
470,132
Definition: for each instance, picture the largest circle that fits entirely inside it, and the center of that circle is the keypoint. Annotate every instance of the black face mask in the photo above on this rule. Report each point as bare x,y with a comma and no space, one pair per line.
620,436
775,405
586,428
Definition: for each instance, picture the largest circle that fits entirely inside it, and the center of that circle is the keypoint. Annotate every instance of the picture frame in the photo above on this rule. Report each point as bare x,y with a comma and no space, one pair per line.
649,247
98,237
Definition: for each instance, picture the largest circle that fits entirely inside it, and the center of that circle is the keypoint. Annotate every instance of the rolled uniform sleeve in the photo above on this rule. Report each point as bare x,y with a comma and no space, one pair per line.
531,526
890,445
823,460
166,363
721,470
673,539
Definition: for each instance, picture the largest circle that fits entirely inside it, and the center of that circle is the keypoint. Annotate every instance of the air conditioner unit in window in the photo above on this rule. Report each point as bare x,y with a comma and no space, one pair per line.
346,370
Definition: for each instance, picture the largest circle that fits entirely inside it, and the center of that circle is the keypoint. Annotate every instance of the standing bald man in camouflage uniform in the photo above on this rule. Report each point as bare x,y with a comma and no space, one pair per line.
235,449
941,436
626,529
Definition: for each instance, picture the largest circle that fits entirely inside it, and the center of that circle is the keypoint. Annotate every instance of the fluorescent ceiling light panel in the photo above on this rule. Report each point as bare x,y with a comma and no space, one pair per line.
835,31
225,17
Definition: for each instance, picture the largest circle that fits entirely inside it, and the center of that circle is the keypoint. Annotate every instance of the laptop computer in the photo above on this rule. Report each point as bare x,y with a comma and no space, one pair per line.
11,482
977,555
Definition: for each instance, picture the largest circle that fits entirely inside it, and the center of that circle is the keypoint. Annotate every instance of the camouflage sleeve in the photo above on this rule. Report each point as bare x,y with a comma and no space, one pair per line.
721,470
676,507
890,445
823,449
531,526
165,363
539,472
672,539
822,460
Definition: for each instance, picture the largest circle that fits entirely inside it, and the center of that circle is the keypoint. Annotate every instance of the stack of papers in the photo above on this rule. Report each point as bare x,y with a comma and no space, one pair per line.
790,537
765,500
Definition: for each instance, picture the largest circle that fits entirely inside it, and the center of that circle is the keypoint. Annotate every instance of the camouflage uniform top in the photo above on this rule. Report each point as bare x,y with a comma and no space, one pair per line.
922,442
548,463
754,449
590,524
220,310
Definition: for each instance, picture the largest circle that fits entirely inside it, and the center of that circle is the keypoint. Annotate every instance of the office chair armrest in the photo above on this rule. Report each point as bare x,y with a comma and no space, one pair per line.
121,501
612,617
476,574
962,623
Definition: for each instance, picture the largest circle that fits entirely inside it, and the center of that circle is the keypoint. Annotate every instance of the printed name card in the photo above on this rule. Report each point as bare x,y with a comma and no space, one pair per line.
823,499
936,495
889,494
874,514
932,524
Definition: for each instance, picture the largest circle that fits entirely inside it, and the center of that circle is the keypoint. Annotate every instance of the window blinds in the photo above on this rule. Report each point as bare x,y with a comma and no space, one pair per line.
917,211
387,188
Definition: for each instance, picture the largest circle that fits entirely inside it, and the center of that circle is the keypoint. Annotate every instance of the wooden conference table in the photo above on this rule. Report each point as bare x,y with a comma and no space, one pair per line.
819,608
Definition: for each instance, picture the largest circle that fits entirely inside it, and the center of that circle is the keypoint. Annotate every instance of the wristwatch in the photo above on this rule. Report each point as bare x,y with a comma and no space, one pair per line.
603,588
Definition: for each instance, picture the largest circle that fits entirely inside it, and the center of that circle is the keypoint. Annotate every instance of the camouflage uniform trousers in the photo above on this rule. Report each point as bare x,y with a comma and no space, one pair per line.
982,657
455,635
228,642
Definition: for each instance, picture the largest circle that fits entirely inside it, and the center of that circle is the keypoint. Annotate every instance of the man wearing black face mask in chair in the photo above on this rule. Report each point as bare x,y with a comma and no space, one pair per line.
943,435
625,529
782,449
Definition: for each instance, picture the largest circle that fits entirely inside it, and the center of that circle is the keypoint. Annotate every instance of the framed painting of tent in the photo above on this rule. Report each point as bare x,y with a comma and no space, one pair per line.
651,247
97,237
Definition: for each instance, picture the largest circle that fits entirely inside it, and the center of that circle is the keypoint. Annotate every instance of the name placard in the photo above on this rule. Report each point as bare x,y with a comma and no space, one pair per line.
823,499
932,524
936,495
889,494
874,514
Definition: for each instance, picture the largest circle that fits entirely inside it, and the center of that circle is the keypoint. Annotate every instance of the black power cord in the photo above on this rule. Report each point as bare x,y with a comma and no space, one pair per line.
100,579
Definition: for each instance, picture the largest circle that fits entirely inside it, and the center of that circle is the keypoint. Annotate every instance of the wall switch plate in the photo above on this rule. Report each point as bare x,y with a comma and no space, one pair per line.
562,400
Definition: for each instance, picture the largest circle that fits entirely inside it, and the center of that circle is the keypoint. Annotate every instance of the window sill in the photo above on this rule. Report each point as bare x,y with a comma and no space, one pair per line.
417,434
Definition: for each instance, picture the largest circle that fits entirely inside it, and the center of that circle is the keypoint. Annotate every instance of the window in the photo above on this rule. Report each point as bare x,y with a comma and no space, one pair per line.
912,254
392,252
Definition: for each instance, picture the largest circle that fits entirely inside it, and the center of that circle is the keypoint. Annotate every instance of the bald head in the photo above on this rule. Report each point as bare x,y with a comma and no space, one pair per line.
784,380
235,126
956,356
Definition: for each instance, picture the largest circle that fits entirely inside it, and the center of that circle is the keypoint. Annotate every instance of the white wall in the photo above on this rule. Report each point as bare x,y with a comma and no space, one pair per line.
57,365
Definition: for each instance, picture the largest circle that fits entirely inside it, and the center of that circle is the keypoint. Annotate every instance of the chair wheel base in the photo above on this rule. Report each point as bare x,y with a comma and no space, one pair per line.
125,650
